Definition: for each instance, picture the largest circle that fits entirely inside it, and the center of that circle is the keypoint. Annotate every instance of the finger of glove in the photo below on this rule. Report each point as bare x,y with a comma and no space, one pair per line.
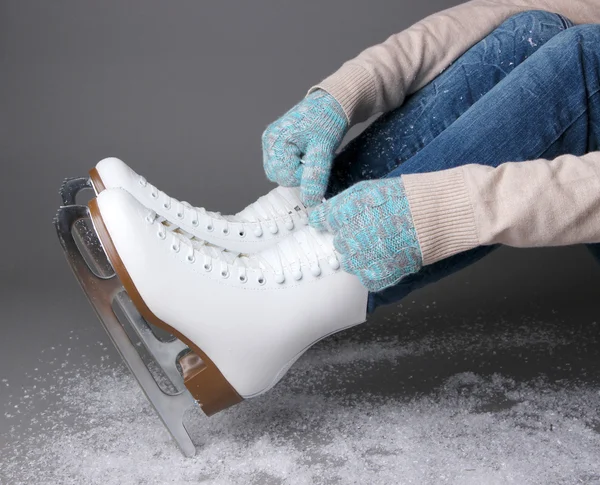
317,217
332,214
329,215
315,174
268,140
281,162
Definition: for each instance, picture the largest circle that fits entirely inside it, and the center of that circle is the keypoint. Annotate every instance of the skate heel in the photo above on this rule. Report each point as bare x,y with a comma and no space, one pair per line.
206,384
96,181
201,376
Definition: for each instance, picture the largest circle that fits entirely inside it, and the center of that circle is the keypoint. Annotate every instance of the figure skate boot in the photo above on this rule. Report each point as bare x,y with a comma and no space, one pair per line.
271,218
245,319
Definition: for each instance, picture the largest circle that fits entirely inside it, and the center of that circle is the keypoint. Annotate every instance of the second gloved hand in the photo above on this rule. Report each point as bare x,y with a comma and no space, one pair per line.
298,148
374,232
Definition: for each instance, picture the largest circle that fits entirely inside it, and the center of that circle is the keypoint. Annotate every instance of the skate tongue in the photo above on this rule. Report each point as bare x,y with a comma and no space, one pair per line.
278,202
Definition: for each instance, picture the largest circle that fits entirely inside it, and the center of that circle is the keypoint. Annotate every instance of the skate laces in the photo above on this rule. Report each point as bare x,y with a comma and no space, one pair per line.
169,202
300,251
180,237
277,206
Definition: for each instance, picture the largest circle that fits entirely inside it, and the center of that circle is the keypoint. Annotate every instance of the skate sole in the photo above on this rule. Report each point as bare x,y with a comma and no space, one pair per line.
200,375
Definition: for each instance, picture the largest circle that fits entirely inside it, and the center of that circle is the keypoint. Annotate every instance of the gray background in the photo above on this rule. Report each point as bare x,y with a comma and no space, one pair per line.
182,92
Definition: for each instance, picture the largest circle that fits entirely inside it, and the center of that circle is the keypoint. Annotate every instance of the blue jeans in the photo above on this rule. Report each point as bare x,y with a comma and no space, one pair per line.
531,89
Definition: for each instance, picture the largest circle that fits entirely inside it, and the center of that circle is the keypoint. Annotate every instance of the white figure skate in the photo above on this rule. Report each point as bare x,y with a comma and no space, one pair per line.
241,321
264,222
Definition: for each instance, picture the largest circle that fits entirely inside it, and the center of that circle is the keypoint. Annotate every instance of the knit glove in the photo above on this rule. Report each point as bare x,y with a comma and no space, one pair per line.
299,147
374,232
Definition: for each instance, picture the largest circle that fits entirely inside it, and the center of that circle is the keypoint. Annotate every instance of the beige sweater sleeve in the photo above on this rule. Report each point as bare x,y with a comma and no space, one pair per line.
380,77
522,204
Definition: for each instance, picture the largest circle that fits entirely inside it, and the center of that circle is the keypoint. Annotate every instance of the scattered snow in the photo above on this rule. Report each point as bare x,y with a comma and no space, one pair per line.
323,424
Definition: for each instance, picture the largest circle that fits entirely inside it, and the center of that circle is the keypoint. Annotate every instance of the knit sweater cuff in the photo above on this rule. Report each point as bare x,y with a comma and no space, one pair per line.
354,88
442,213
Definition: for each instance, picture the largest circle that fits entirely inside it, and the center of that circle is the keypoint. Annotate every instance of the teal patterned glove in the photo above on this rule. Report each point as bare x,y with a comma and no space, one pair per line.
299,147
374,232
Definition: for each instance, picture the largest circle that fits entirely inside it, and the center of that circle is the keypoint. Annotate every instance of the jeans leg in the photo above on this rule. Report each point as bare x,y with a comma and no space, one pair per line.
398,135
548,106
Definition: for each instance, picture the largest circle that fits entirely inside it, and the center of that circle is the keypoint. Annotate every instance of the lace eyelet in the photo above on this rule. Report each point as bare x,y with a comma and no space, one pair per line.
225,231
334,263
279,278
149,220
273,229
261,280
316,270
242,233
243,278
190,258
195,223
161,235
289,225
225,273
207,267
209,228
258,232
166,206
297,275
141,183
175,248
179,215
153,195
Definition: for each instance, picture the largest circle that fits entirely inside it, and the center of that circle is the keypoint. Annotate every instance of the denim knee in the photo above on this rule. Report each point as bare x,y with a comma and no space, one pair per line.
520,36
538,19
585,35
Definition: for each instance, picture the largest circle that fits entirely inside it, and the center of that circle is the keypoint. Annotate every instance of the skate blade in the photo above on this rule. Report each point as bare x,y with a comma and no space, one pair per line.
201,376
104,291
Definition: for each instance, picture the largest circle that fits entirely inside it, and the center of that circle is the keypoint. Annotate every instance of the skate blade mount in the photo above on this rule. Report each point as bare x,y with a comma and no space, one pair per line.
90,265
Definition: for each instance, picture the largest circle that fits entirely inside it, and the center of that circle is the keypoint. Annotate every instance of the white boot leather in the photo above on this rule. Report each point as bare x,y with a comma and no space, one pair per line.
271,218
253,316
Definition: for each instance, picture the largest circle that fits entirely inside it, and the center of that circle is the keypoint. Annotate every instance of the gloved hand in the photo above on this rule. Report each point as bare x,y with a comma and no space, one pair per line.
299,147
374,231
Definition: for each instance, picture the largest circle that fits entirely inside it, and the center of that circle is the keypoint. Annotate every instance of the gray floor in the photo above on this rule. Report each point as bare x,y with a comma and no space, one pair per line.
503,390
